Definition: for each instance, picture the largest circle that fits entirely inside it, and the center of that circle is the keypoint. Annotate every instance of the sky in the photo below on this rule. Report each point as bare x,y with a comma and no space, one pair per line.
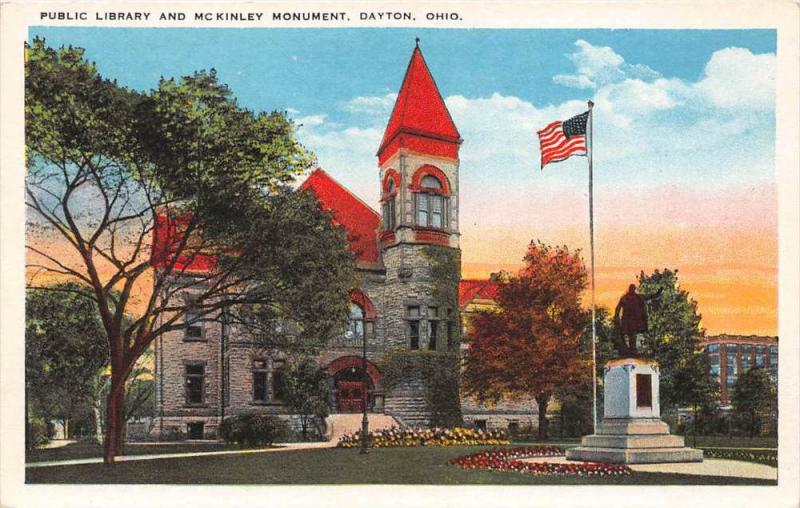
683,147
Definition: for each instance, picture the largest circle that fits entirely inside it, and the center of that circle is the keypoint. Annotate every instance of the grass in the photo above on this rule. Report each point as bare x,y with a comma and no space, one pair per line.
732,442
85,450
420,465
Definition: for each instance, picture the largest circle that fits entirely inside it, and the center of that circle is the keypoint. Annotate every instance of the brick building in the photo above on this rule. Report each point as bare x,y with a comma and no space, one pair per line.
731,355
208,371
476,295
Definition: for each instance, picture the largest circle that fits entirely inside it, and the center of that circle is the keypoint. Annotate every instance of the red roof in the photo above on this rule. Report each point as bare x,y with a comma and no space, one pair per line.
360,221
167,235
471,289
420,112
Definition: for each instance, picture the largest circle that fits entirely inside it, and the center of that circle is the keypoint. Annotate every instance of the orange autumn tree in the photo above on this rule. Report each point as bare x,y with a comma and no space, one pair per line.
530,344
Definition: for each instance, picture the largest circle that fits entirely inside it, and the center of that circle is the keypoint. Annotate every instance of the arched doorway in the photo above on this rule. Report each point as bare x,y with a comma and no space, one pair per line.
351,389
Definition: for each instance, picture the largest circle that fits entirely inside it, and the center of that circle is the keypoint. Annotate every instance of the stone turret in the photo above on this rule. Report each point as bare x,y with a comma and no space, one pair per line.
419,233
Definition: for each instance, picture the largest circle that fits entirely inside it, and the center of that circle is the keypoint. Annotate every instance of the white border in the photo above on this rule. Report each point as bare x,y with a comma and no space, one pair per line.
782,15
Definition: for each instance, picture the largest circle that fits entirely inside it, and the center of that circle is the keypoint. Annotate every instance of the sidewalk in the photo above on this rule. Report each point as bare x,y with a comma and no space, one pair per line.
709,467
278,447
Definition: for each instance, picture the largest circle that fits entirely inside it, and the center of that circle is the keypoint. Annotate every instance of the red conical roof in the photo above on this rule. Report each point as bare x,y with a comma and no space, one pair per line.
420,118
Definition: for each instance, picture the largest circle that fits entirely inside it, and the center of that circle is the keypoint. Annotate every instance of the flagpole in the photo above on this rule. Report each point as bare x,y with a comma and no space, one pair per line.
590,149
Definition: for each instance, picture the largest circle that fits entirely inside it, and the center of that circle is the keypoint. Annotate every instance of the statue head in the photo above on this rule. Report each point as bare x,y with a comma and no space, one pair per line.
632,288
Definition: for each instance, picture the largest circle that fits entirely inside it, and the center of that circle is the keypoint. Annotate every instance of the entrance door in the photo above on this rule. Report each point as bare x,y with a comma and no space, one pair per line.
350,396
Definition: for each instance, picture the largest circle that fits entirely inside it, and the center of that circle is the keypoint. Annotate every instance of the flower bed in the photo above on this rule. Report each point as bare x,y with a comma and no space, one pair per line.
508,460
768,457
395,436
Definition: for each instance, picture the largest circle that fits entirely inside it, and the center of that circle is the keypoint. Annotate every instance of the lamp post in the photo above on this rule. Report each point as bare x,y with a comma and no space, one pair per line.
364,399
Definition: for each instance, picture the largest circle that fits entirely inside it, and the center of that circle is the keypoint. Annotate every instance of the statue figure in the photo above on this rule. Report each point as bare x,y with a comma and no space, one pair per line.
632,322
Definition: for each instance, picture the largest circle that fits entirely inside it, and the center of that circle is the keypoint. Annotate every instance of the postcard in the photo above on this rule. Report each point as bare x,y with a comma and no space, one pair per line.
400,253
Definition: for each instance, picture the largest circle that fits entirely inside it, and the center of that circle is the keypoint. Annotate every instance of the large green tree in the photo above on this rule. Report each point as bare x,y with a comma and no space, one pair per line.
306,391
65,349
107,166
754,396
531,345
673,339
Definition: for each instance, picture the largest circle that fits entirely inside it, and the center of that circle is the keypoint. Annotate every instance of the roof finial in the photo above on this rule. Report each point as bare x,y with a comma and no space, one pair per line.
417,42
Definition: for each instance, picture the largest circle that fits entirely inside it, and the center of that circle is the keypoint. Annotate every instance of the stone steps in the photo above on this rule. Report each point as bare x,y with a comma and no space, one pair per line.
346,423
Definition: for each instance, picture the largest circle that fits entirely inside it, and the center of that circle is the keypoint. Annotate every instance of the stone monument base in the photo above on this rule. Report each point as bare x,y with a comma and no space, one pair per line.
634,441
632,431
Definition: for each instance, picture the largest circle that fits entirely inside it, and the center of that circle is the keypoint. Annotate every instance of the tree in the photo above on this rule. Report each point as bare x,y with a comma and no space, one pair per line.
576,399
532,343
753,398
139,393
306,392
209,182
673,339
65,348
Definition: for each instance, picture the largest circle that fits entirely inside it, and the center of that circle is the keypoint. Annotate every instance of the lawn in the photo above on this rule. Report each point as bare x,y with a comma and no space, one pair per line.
83,450
419,465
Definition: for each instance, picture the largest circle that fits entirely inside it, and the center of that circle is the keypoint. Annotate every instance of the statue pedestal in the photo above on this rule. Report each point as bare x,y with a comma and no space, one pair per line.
632,431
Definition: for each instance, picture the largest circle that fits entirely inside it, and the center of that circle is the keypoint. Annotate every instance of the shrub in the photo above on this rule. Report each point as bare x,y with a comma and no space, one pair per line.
768,457
253,429
394,437
38,433
173,434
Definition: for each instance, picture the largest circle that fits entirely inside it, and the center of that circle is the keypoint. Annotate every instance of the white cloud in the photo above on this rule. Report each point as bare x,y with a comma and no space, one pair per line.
311,120
573,81
380,105
599,65
736,78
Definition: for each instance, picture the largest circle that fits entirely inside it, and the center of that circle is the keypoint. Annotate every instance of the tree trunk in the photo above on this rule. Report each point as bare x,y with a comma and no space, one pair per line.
98,422
541,401
115,411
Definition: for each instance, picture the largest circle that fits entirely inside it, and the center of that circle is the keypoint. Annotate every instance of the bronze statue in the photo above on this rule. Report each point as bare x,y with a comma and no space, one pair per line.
632,322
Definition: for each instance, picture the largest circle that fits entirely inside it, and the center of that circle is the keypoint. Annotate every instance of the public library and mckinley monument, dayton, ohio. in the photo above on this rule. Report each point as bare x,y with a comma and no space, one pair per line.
207,371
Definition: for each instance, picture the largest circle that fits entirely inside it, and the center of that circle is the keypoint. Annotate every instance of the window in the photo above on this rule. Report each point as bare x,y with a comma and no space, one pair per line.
730,361
195,376
712,348
259,381
773,362
413,334
431,182
194,430
480,425
451,330
747,356
434,333
761,356
278,393
193,326
413,326
388,215
713,359
355,328
431,206
422,209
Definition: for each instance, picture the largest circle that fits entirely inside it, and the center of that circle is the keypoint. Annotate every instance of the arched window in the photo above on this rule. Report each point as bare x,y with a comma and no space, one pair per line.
355,328
431,204
388,207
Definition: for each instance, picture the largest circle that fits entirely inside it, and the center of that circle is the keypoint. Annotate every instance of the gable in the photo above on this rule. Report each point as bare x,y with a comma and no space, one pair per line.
359,220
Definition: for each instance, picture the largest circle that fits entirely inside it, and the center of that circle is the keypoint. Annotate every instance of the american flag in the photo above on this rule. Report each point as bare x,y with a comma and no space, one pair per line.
560,140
